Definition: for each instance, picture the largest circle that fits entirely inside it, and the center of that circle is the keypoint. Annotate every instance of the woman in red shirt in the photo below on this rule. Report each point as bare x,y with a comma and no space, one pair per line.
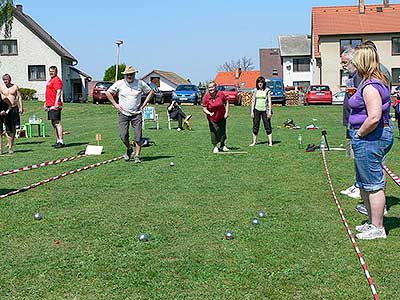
216,108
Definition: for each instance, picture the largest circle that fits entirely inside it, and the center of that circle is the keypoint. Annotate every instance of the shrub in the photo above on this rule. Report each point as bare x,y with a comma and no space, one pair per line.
27,94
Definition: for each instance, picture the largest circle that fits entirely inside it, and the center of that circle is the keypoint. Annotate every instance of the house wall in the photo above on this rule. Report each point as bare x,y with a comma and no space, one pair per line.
330,51
270,59
165,84
31,51
289,76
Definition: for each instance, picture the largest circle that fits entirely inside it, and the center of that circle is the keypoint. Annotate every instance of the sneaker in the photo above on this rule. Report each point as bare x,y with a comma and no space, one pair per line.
215,150
59,145
178,129
362,228
225,149
348,190
372,233
128,154
355,193
363,210
137,160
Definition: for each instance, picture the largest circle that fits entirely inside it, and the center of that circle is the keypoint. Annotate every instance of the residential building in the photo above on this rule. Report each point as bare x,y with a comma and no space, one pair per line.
271,62
337,27
296,59
165,80
29,53
242,79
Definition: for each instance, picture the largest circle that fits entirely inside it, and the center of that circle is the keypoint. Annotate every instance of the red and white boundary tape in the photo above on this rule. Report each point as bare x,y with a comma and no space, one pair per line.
355,245
392,175
44,164
58,177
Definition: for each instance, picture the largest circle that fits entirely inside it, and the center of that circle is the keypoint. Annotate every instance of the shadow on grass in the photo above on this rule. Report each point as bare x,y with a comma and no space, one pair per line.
150,158
391,223
76,144
265,142
5,191
391,201
30,143
22,151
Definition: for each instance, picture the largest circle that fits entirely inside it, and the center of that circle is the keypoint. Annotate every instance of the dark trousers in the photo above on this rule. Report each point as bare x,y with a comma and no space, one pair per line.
258,115
177,114
218,132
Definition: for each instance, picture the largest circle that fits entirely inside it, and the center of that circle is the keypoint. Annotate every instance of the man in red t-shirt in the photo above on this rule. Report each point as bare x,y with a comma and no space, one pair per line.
216,107
53,105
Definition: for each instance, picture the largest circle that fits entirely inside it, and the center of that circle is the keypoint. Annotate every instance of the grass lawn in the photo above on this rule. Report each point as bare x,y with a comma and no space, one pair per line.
299,251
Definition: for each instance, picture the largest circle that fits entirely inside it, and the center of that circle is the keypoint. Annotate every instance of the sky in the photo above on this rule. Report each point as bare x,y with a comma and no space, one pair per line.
190,38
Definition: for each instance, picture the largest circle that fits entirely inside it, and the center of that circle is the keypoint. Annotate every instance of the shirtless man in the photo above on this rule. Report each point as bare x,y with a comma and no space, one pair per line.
11,107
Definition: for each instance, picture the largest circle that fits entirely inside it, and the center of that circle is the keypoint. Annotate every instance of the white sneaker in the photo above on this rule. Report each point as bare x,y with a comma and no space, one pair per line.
178,129
215,150
363,210
348,190
225,149
372,233
362,228
355,194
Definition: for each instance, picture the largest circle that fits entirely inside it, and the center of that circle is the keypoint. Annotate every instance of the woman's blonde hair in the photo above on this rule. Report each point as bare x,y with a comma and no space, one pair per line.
366,61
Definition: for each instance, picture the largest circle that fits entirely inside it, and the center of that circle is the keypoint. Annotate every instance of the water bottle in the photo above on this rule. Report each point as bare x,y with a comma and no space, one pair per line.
323,144
300,141
34,119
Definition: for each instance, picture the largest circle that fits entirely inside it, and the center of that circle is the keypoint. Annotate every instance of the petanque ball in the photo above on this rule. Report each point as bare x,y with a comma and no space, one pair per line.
229,235
261,214
38,216
256,221
172,164
143,237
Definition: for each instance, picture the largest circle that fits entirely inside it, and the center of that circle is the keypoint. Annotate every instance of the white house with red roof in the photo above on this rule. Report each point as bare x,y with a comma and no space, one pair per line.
335,28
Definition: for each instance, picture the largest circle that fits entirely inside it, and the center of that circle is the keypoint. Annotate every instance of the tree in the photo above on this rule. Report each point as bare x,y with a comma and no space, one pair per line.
6,17
244,63
109,74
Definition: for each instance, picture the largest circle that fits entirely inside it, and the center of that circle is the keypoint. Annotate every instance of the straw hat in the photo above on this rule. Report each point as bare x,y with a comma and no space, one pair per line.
129,70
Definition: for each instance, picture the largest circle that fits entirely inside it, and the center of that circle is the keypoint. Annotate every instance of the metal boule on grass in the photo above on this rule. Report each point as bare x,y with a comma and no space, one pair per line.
143,237
255,221
261,214
38,216
229,235
172,164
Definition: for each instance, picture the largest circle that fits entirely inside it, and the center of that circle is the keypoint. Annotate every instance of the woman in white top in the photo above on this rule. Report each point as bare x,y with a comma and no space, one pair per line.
261,108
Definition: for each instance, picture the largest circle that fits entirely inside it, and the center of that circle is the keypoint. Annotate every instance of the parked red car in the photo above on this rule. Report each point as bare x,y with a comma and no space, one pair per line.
231,93
99,92
318,94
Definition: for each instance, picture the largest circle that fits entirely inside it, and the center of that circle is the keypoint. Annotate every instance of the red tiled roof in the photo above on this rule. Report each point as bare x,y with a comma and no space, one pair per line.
341,20
248,77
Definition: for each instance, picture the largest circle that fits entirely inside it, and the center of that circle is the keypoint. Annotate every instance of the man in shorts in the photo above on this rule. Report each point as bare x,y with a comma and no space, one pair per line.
11,108
130,108
53,105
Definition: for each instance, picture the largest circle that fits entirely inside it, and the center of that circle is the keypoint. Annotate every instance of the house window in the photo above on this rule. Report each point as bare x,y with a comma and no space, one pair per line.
344,44
36,73
274,72
396,46
8,47
301,64
396,76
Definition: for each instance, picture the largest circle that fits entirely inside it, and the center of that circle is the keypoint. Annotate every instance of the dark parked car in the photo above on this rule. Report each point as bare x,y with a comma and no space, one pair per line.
231,92
276,87
187,93
318,94
158,95
99,91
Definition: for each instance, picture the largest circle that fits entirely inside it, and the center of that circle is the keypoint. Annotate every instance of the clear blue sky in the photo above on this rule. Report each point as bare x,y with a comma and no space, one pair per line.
191,38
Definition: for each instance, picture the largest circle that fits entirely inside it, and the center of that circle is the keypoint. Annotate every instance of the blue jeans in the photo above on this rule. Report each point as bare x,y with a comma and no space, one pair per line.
369,153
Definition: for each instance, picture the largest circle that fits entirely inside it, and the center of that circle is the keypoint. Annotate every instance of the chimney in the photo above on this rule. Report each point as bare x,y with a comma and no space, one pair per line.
361,6
19,7
237,73
386,3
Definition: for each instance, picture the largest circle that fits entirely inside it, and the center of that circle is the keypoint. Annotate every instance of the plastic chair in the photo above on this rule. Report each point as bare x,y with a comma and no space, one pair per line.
149,114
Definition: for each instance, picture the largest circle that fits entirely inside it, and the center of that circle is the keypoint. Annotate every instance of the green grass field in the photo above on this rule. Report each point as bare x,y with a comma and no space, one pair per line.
299,251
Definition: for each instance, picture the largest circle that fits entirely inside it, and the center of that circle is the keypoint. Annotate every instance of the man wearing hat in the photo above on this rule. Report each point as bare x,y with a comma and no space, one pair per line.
130,108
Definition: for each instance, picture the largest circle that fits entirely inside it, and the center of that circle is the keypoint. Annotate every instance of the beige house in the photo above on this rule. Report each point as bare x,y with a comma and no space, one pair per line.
335,28
29,53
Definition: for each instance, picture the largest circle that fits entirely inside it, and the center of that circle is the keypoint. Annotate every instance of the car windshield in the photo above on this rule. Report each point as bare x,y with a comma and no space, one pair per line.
270,85
228,88
278,85
103,85
319,88
186,87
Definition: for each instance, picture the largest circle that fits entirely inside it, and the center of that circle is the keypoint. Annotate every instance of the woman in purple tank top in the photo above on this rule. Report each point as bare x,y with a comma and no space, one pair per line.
372,137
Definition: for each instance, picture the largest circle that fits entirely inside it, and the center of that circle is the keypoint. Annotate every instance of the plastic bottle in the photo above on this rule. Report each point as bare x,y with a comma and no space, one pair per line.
34,119
323,144
300,141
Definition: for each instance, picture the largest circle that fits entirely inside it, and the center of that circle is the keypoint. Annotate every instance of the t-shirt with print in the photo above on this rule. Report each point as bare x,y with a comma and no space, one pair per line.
215,105
52,86
130,95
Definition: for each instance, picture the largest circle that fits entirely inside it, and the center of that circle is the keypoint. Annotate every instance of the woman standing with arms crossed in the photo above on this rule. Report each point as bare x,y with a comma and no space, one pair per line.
372,137
261,108
216,108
